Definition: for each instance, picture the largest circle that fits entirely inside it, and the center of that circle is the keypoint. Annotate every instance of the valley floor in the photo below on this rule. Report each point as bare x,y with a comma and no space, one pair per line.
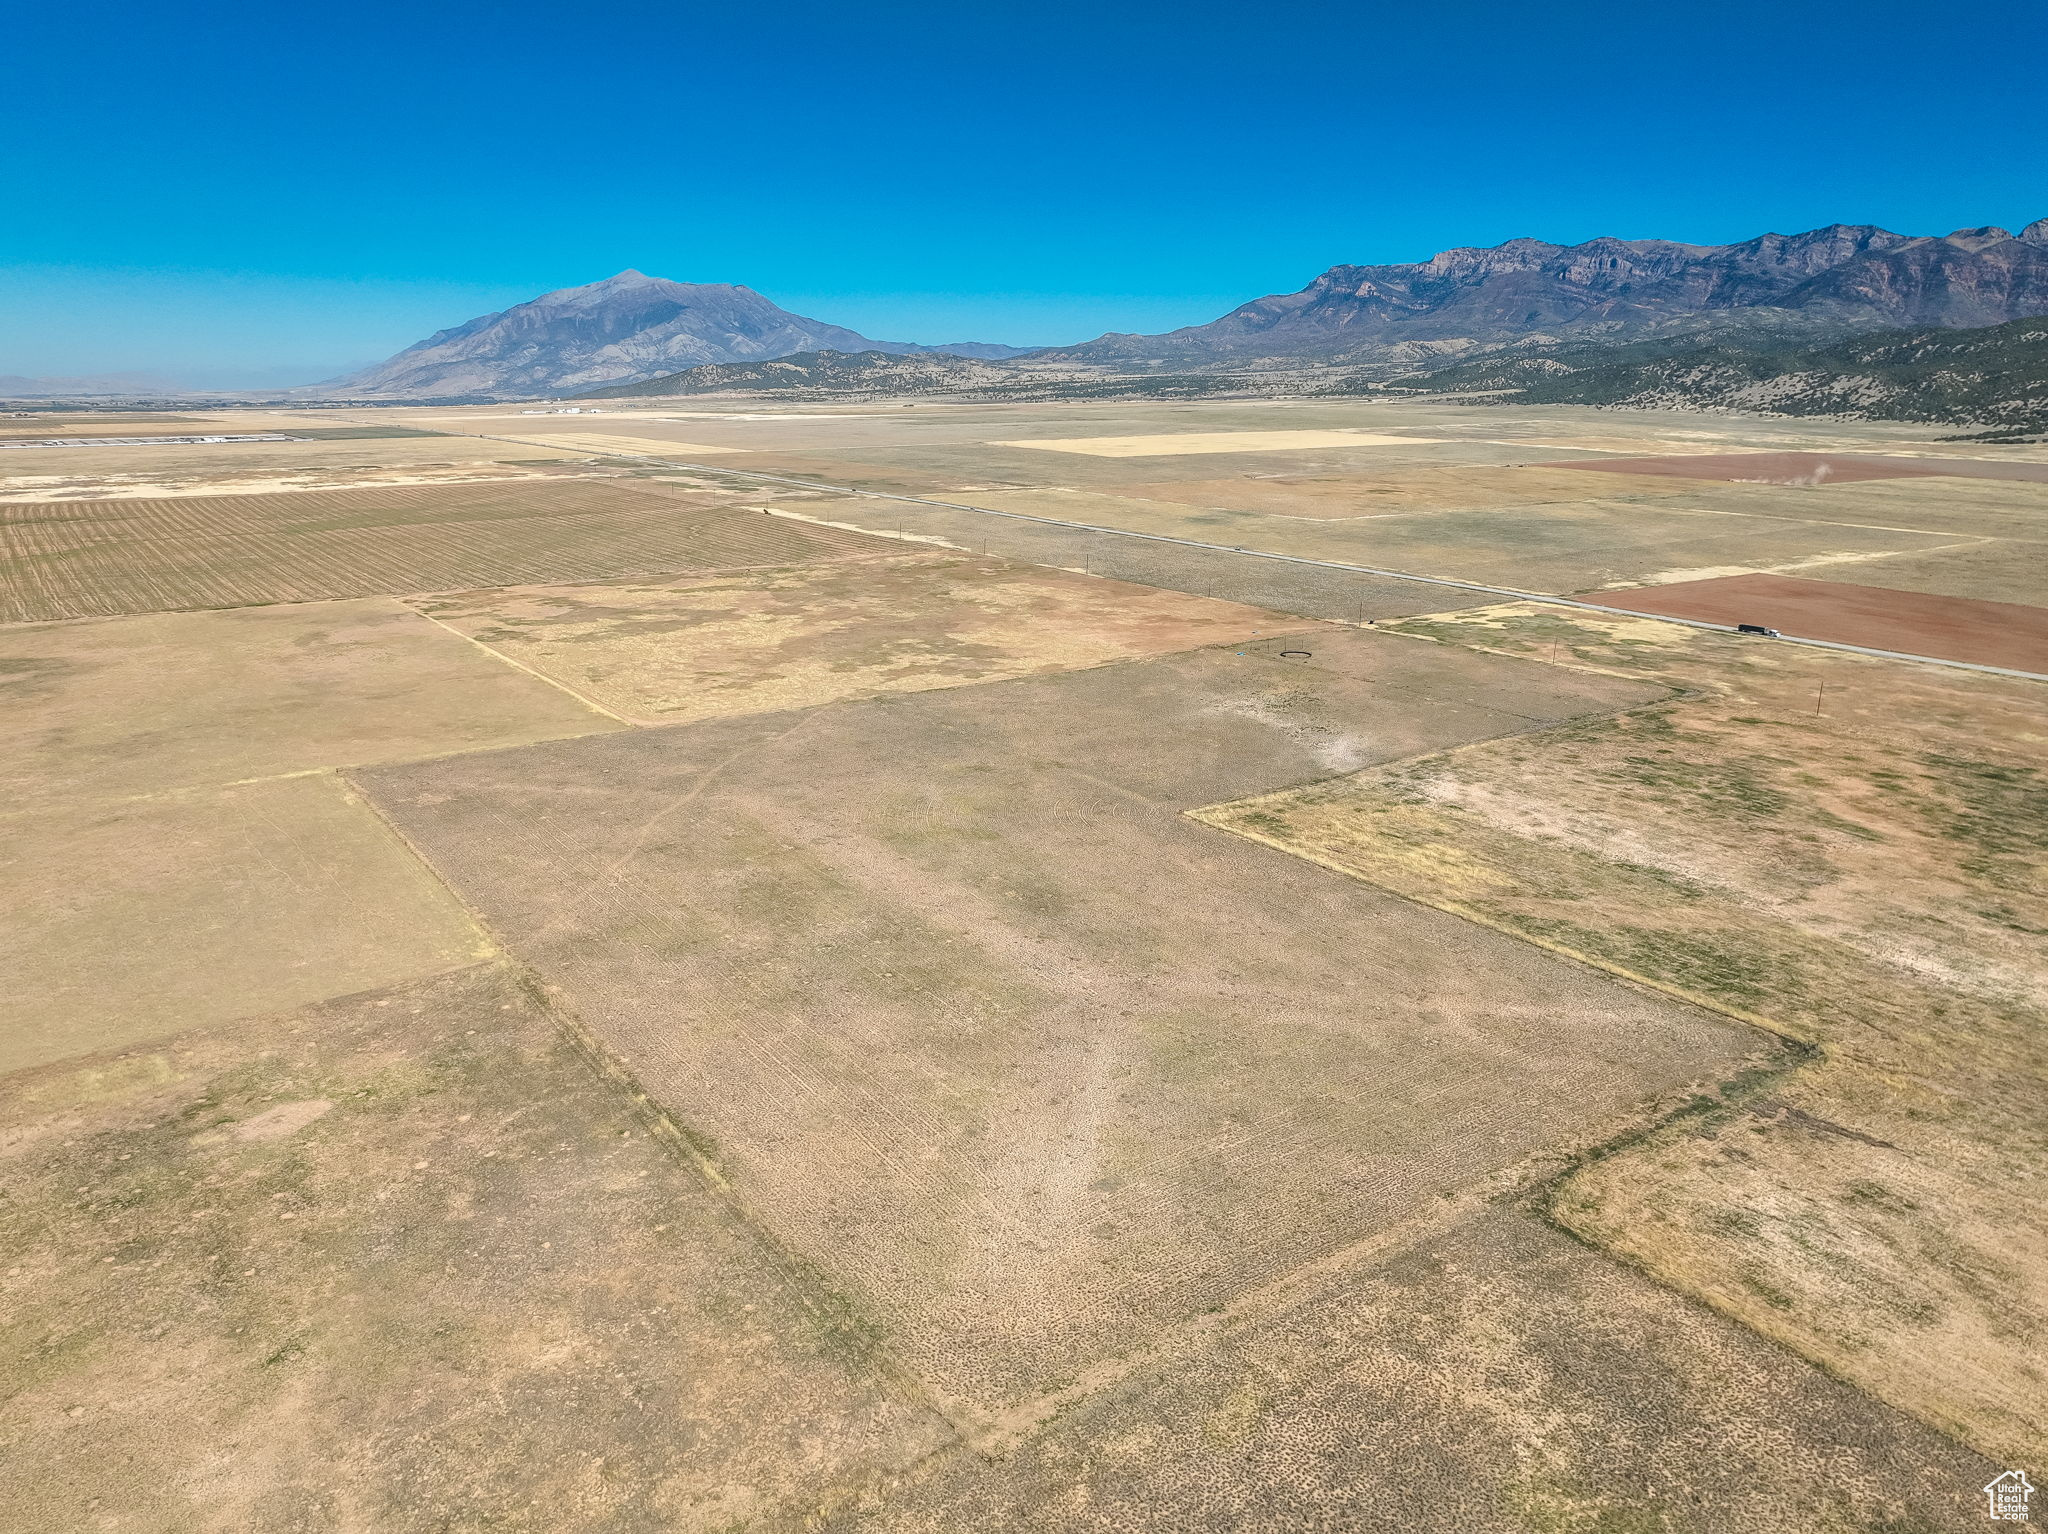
1073,967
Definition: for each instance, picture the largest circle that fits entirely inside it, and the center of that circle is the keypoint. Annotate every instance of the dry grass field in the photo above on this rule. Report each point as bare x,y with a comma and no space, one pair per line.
755,641
1172,444
402,1262
1845,850
1553,548
564,994
136,919
217,461
630,444
1071,1069
1347,497
129,423
136,707
1438,489
1489,1377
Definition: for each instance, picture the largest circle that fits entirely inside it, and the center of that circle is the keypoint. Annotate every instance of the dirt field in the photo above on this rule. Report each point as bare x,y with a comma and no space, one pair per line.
757,641
1493,1378
1350,496
1174,443
1553,549
618,441
952,1100
1104,1068
2001,572
1807,469
137,424
177,854
1304,590
225,460
1953,628
72,560
140,918
156,486
401,1263
1857,869
123,707
1545,528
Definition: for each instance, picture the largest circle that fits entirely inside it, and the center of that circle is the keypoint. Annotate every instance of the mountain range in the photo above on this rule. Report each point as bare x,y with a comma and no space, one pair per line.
1526,292
627,327
113,385
1806,288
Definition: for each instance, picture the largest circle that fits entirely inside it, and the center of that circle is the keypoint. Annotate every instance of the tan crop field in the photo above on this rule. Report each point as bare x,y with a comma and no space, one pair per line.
154,485
219,460
584,997
1845,850
69,559
2000,570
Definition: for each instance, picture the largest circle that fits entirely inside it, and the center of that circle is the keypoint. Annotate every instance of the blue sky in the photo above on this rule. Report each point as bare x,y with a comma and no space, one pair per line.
232,192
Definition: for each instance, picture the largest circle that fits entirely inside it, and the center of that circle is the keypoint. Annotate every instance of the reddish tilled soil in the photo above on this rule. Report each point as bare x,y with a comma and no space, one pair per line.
1950,628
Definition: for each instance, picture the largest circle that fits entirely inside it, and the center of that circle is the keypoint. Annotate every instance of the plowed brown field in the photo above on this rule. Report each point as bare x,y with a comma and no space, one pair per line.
1912,622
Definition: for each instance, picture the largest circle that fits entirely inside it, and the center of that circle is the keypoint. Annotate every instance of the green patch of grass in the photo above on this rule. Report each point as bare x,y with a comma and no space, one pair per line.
1719,964
293,1348
1729,787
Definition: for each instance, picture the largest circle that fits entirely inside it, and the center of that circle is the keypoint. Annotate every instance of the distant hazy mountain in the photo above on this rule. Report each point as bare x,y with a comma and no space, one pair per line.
1827,281
860,372
14,386
625,328
1995,376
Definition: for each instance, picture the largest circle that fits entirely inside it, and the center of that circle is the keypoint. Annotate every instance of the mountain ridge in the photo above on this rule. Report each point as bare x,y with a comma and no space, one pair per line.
627,327
1840,277
1524,293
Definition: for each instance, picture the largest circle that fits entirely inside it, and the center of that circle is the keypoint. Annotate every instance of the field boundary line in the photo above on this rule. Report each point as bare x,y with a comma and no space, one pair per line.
1468,913
516,665
809,1283
1508,592
1000,1431
1814,562
352,794
1738,1091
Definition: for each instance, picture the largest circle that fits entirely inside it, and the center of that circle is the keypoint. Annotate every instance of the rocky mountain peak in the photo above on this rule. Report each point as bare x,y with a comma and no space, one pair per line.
1972,239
